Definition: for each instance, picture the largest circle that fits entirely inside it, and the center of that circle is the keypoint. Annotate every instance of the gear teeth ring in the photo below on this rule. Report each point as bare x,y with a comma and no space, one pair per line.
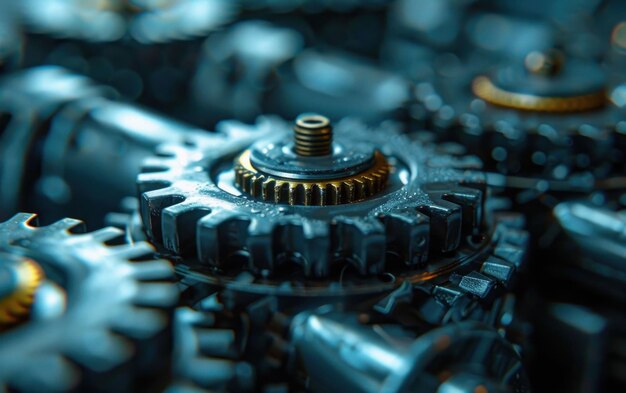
311,193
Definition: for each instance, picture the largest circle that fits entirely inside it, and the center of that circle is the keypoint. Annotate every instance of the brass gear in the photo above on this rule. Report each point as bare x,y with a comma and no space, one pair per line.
485,89
316,192
16,306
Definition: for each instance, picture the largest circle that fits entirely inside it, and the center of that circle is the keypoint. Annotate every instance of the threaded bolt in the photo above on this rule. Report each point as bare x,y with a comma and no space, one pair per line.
544,63
313,135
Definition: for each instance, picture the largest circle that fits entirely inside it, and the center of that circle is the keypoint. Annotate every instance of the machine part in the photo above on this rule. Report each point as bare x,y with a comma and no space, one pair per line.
313,170
61,131
339,353
20,278
207,353
110,319
185,189
428,223
549,125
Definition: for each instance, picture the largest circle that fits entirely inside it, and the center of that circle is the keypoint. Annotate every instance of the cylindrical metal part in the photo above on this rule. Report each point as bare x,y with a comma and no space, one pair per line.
313,135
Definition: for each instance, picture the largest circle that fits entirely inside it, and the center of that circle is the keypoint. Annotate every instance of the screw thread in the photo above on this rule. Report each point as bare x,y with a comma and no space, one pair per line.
313,135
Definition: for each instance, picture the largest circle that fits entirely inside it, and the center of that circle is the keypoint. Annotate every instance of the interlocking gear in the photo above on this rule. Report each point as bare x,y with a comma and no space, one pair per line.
428,223
103,311
533,118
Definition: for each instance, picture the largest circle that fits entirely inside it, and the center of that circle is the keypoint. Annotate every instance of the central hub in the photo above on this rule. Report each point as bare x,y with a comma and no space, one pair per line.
311,168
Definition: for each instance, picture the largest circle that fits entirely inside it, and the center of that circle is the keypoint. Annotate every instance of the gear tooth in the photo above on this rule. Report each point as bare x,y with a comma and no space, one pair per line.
474,283
159,294
446,222
26,219
179,226
217,342
470,201
205,354
307,191
132,251
499,269
152,205
280,192
268,190
333,194
362,241
255,186
220,234
318,195
293,194
347,192
77,226
259,244
140,324
306,242
359,189
316,247
369,186
106,234
151,181
408,235
247,182
153,270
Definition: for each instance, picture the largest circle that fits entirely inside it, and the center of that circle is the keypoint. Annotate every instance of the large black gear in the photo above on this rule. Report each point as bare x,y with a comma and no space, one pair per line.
429,222
112,318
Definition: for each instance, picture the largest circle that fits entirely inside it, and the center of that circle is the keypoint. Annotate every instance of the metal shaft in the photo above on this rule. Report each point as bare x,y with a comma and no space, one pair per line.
313,135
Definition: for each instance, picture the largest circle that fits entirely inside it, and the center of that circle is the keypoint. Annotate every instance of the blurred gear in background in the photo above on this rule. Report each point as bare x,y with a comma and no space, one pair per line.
77,313
312,196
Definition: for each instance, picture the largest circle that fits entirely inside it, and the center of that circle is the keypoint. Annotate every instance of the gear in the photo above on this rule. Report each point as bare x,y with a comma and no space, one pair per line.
428,222
313,170
99,299
19,280
535,119
437,196
465,357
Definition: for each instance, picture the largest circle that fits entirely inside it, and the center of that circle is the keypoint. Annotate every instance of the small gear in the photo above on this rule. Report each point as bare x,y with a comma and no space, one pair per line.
19,280
313,170
102,307
549,116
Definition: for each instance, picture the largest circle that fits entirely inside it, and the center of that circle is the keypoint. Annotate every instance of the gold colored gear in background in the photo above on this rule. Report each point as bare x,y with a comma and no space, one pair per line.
486,90
16,306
